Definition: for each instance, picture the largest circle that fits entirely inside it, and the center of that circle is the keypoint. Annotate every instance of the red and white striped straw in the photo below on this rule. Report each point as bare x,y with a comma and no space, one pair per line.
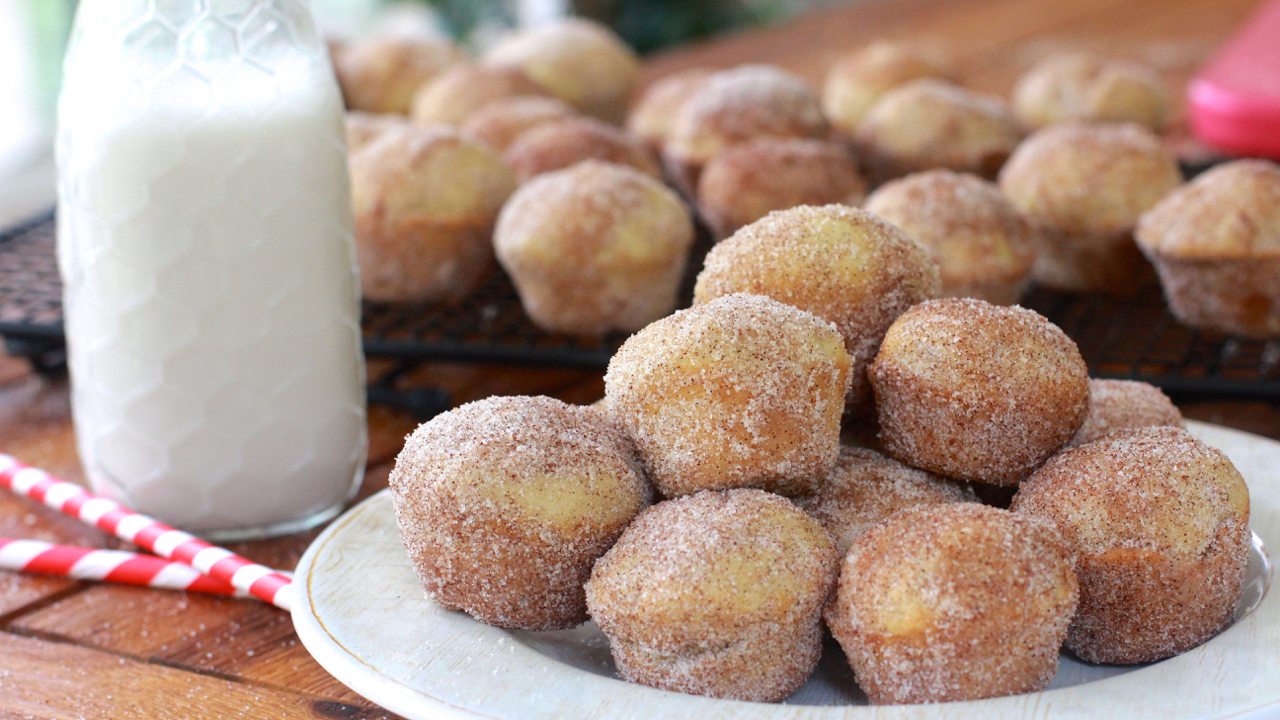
113,566
146,532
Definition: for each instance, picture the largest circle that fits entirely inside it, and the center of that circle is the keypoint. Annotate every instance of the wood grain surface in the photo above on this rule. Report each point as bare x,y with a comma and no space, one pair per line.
72,650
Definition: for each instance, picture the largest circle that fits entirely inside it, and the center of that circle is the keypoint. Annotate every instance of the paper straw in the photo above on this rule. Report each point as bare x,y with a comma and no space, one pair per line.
146,532
112,566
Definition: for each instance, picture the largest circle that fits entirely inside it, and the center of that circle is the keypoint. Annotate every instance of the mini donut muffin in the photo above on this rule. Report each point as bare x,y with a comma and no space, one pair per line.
1159,523
748,181
742,391
928,124
1083,187
1216,245
500,123
736,105
857,80
954,602
651,115
839,263
982,245
363,128
425,201
977,391
381,74
505,504
718,594
454,94
594,248
1070,87
559,144
866,487
576,60
1116,405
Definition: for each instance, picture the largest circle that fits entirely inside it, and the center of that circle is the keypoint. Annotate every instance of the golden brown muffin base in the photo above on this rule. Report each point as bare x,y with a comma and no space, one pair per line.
1110,264
766,664
422,261
1241,297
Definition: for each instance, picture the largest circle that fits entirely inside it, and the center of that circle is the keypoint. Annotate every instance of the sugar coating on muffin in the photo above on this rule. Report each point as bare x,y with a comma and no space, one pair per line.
742,391
1116,405
505,504
865,487
976,391
1069,87
983,246
579,61
927,124
381,74
594,247
840,263
362,128
653,112
748,181
1216,245
425,201
456,93
1159,522
559,144
855,81
500,123
1083,188
736,105
717,593
954,602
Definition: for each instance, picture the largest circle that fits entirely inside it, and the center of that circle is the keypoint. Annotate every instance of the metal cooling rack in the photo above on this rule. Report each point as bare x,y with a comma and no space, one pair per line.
1131,338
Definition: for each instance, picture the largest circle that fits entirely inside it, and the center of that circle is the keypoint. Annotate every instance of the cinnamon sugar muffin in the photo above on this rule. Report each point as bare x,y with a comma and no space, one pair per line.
928,124
425,201
977,391
734,106
505,504
1216,244
717,594
1116,405
954,602
742,391
595,247
559,144
653,112
840,263
500,123
983,247
1082,87
1160,525
858,79
865,487
748,181
1083,187
363,128
579,61
381,74
453,95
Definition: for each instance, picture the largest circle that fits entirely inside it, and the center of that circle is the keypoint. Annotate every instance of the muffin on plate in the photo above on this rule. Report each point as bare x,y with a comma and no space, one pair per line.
500,123
562,143
1083,188
1216,244
1118,405
453,95
651,116
381,74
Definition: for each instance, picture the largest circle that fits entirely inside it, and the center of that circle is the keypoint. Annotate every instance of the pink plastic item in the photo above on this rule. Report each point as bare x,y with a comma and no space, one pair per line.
1234,101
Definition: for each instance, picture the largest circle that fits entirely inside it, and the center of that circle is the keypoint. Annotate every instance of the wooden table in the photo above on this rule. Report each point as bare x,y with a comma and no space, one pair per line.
70,649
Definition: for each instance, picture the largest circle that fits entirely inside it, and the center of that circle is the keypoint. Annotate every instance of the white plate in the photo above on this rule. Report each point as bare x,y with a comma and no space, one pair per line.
363,616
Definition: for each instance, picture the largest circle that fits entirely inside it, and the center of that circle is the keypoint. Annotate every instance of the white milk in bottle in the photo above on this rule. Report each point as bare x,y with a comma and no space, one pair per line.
205,243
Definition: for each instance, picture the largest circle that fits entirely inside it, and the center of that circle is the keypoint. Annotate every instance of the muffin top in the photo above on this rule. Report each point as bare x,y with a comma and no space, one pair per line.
1229,212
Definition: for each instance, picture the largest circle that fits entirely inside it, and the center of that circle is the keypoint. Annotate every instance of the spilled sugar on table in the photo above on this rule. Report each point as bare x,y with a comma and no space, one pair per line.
70,649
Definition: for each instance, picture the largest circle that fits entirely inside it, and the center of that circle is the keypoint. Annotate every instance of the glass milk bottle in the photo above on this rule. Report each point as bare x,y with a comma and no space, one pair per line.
205,244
